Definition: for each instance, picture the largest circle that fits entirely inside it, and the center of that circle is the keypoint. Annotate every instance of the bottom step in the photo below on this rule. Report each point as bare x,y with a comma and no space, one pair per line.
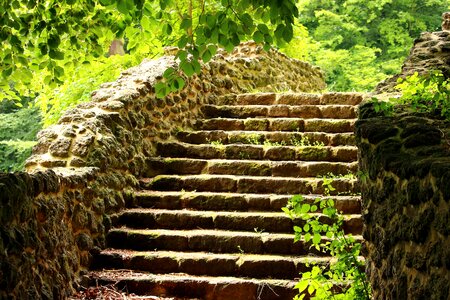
202,287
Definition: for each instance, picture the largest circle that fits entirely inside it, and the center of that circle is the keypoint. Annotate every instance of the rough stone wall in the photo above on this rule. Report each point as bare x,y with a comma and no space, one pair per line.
405,165
50,224
85,167
431,51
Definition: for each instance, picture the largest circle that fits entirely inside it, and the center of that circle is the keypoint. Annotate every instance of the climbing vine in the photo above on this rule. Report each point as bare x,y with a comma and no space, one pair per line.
343,277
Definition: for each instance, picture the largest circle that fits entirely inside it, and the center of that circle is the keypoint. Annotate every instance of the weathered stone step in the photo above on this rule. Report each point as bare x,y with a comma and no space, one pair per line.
216,241
238,221
246,184
291,99
285,111
268,138
240,151
233,202
200,287
209,264
158,166
278,124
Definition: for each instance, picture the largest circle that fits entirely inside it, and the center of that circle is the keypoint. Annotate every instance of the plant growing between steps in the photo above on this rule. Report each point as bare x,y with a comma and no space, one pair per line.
429,93
343,278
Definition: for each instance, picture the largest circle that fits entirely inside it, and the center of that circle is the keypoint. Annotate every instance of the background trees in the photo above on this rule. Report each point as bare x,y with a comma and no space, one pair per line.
358,42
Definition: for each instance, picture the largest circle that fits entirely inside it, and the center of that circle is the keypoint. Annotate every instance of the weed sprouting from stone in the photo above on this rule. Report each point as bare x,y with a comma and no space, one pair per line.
305,142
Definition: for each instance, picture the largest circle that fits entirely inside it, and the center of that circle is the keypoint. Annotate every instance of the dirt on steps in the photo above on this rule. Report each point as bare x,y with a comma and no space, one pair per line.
111,292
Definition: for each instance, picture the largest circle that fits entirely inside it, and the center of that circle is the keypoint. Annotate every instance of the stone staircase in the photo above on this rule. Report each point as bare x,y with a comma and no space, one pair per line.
207,222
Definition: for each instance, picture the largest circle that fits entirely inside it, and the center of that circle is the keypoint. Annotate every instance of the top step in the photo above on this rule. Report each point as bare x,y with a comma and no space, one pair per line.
291,99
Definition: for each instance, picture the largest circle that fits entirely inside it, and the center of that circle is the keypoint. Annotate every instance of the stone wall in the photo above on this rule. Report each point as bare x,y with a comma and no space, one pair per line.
431,51
50,224
404,162
55,216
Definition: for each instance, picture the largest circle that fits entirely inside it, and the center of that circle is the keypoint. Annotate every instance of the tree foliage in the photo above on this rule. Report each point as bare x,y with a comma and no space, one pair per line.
50,39
358,43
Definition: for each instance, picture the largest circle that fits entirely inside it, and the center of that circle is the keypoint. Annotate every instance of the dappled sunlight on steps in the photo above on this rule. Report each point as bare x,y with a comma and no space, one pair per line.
207,222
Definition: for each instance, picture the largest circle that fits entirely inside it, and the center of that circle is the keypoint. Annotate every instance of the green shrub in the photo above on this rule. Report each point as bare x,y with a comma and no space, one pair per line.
13,154
427,93
23,124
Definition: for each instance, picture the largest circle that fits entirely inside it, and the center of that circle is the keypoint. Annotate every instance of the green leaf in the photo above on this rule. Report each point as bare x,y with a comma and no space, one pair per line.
167,28
169,72
187,68
7,59
163,4
59,72
307,237
288,33
263,28
161,90
305,208
55,54
54,41
206,56
7,72
186,23
182,55
179,83
211,20
311,289
306,227
317,238
302,285
122,6
258,37
279,32
197,67
212,49
247,20
224,26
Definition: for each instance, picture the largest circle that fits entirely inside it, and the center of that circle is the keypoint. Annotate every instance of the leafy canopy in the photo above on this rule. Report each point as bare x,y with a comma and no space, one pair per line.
49,39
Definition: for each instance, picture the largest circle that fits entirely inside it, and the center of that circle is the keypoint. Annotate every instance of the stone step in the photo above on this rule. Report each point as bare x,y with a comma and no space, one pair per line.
215,241
140,218
233,201
209,264
182,166
200,287
241,151
278,124
291,99
246,184
281,110
268,138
